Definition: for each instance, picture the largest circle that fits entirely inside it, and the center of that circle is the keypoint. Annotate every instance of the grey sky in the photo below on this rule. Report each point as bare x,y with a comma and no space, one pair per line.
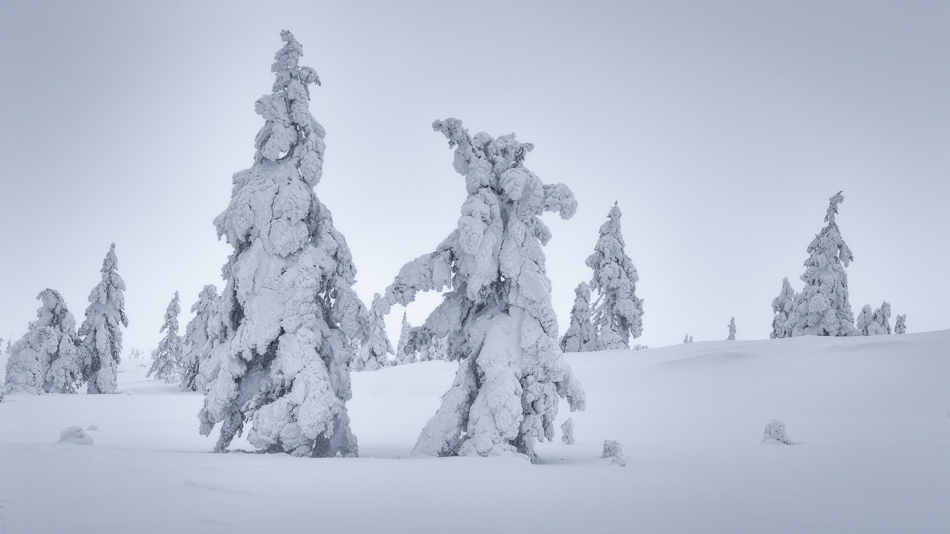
722,128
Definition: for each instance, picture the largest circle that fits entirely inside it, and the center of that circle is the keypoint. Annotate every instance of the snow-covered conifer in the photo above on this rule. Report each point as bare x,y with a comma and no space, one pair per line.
497,312
688,339
48,357
102,339
289,301
880,323
732,329
618,313
567,432
900,324
404,353
375,350
864,320
202,334
167,358
822,307
783,306
581,336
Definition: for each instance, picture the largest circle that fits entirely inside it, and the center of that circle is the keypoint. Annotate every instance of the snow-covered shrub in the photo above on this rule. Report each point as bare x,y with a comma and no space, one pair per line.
580,336
783,306
900,324
775,432
614,451
567,432
880,323
618,313
75,434
289,304
688,339
822,308
497,312
375,350
202,334
48,357
102,339
167,358
732,329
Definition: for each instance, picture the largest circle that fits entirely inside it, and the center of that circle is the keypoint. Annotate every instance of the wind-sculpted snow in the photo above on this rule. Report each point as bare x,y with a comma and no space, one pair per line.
202,334
48,358
102,338
291,311
581,336
618,313
497,314
166,359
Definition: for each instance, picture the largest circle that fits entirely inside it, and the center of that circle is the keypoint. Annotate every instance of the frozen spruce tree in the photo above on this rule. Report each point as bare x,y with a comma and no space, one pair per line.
375,350
822,307
783,306
864,320
900,324
404,354
497,311
289,301
618,312
880,323
580,335
202,334
688,339
102,338
732,329
166,359
47,358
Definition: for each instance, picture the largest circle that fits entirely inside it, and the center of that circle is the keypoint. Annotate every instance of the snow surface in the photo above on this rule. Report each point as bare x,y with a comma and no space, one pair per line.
871,411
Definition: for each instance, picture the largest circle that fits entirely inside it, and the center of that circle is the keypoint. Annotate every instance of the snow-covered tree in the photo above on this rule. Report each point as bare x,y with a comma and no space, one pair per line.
47,358
135,354
375,350
567,432
900,324
102,339
166,359
581,336
732,329
880,323
783,306
435,348
404,352
822,307
497,312
864,320
202,334
688,339
291,308
618,313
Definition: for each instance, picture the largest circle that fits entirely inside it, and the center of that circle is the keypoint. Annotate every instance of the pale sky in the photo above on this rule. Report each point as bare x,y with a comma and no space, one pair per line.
721,128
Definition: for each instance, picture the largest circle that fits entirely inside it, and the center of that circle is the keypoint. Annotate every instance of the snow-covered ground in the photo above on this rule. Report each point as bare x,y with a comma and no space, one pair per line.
873,413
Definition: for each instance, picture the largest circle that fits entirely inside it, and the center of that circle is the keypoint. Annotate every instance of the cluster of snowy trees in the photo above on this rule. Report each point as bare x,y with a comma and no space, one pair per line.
822,307
617,314
53,357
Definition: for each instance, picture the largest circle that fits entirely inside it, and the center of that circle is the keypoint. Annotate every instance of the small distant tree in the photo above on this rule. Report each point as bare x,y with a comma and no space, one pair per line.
688,339
581,336
618,312
822,307
880,323
404,347
375,350
732,329
864,320
900,325
135,354
166,359
102,338
783,306
567,432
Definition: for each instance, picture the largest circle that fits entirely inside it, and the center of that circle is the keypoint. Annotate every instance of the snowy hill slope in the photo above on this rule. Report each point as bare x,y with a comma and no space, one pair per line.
872,411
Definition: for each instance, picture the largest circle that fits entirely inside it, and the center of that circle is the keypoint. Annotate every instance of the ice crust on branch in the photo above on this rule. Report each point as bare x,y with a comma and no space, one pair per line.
618,313
291,312
102,338
202,334
581,336
48,359
166,359
822,308
496,312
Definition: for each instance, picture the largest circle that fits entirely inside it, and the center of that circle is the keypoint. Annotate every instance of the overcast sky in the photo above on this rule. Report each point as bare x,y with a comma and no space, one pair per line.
721,128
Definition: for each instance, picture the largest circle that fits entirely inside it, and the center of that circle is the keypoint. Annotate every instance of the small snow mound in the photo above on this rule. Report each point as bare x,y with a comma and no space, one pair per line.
775,432
614,451
129,392
75,434
92,427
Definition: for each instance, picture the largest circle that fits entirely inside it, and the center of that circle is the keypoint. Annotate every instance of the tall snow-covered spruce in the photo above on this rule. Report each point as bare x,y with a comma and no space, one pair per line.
202,335
291,311
580,335
102,338
48,358
166,358
822,308
496,312
618,313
